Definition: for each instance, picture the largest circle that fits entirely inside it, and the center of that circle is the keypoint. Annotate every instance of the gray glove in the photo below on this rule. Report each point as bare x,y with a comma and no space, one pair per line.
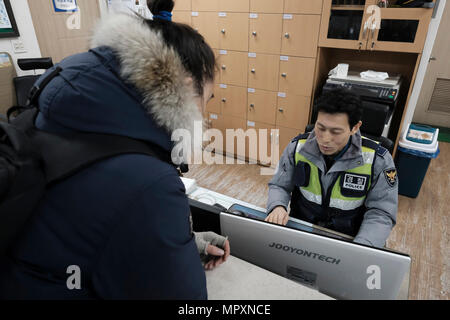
203,239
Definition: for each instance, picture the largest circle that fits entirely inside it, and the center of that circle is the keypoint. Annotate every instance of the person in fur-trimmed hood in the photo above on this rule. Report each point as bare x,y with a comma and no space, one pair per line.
124,221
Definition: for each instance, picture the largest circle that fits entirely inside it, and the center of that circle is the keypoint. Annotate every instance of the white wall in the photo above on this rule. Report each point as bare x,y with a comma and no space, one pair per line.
27,35
428,48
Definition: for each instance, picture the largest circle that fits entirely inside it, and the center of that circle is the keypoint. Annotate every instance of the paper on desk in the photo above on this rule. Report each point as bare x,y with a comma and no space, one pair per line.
374,76
189,184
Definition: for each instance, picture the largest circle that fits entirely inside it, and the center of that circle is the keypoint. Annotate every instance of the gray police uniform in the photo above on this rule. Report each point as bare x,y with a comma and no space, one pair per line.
381,200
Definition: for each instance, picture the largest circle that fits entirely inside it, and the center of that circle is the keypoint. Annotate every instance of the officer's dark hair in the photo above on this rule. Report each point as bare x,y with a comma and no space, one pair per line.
340,100
196,55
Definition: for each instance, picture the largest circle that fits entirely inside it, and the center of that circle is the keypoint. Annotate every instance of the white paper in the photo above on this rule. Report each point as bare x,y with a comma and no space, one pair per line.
4,19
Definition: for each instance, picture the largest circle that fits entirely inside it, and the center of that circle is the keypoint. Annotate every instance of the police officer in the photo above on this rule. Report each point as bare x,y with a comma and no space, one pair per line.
335,178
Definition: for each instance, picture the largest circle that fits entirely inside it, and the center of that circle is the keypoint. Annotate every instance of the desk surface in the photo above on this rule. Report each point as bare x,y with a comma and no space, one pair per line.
239,280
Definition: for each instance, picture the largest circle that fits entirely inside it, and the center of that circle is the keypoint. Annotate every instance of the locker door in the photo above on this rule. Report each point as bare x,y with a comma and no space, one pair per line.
293,111
234,5
296,76
303,6
263,71
266,6
205,5
182,5
213,105
233,101
207,24
262,106
233,30
265,33
260,151
233,67
182,17
300,35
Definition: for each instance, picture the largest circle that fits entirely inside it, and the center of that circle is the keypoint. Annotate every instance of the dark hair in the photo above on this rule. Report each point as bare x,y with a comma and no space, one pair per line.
340,100
196,55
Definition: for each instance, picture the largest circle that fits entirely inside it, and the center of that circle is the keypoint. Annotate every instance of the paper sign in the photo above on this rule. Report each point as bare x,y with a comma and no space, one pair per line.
223,52
65,5
250,123
194,13
284,58
252,55
213,116
253,16
287,17
251,90
282,94
222,14
223,86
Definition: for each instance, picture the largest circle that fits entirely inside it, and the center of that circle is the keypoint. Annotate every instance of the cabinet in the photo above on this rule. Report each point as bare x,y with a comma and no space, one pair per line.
367,27
182,5
266,62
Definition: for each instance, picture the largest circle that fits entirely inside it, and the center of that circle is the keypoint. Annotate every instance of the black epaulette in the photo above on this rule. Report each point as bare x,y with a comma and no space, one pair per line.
381,151
301,137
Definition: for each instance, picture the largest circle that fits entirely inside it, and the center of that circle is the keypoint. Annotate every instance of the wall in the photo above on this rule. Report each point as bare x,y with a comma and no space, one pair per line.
27,35
428,48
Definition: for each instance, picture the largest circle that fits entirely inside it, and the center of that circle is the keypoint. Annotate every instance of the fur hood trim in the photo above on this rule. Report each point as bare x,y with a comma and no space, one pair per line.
153,68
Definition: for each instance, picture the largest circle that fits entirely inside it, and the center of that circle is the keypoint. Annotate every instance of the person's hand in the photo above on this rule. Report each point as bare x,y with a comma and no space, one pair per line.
218,255
213,249
278,215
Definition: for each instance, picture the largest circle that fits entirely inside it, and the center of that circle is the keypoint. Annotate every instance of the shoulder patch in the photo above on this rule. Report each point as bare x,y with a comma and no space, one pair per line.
381,151
391,176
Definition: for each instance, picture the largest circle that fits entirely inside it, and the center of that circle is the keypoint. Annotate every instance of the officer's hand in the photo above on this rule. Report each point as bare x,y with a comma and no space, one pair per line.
279,215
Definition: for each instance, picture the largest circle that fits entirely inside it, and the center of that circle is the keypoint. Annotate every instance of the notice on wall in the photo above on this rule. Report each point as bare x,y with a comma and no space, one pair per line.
4,18
65,5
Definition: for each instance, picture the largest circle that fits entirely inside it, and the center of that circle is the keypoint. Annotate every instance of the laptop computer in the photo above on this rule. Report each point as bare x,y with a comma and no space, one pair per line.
318,258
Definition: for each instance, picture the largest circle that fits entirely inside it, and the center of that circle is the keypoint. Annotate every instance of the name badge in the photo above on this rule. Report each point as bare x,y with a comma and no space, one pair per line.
354,185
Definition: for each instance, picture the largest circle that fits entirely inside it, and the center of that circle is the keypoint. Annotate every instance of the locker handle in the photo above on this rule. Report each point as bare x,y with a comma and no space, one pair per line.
254,33
224,67
252,105
253,71
223,31
286,35
281,110
284,75
224,100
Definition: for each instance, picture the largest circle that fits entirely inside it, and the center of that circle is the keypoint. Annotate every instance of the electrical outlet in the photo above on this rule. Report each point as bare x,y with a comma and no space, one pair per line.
18,46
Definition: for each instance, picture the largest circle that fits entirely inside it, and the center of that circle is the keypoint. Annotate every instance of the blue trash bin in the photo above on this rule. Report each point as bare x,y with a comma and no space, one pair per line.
416,149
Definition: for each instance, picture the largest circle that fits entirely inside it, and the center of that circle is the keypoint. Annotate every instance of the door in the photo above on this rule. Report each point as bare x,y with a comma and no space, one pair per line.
207,24
265,33
296,75
266,6
233,101
233,31
263,71
233,67
234,5
293,111
402,30
62,34
182,5
303,6
300,35
343,25
183,17
205,5
433,106
262,106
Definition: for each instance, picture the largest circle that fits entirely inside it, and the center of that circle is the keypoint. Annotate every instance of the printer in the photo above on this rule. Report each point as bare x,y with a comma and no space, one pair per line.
379,99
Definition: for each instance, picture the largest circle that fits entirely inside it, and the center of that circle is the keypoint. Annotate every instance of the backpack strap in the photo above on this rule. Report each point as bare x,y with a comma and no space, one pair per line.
66,154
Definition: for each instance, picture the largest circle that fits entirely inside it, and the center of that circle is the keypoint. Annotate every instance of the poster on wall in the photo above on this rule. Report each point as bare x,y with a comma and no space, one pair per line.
8,27
65,5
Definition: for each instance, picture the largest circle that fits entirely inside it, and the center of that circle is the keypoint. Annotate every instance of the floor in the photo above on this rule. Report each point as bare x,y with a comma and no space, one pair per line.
422,229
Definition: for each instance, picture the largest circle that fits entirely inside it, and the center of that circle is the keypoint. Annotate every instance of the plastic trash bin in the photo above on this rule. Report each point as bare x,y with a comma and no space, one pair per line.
417,147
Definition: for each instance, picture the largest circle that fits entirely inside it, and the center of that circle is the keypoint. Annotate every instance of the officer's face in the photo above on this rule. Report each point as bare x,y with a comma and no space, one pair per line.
333,131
